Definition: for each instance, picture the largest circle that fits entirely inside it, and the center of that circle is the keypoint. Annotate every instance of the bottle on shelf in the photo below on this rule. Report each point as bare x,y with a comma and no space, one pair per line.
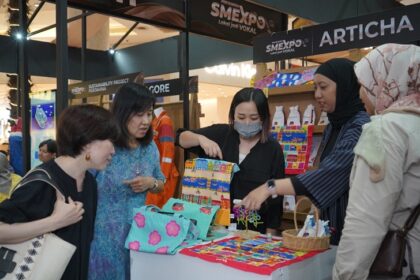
309,115
294,116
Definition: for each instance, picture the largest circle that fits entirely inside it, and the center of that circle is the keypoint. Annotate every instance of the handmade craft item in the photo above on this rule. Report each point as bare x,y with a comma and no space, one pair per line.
296,142
201,215
259,254
156,231
207,182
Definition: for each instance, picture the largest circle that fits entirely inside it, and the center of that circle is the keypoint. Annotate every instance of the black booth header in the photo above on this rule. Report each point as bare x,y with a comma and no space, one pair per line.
401,25
232,20
108,86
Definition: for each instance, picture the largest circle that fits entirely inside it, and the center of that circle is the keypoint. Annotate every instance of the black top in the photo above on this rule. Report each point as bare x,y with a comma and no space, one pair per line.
36,200
264,161
328,186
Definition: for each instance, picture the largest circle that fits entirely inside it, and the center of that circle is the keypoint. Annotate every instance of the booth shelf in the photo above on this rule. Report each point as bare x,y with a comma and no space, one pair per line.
319,129
299,89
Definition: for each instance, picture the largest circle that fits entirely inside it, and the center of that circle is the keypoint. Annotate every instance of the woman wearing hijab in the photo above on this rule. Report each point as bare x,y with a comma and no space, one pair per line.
337,93
385,185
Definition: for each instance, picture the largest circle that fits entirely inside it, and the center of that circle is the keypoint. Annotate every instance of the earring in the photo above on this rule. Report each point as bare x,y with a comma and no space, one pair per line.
87,157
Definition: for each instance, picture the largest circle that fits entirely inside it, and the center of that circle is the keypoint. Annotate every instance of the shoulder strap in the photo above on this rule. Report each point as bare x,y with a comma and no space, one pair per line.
39,174
411,220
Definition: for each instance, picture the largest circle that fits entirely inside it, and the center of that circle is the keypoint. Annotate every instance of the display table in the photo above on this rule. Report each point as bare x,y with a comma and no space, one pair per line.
182,267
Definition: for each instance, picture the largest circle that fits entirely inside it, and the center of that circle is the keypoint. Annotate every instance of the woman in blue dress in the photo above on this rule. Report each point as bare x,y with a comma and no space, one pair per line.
123,185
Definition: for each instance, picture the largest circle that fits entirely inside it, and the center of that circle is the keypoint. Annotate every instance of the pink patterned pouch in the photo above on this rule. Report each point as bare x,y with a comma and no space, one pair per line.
160,232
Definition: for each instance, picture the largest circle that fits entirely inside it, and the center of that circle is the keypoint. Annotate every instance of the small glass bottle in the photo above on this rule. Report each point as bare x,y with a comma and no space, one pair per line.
232,226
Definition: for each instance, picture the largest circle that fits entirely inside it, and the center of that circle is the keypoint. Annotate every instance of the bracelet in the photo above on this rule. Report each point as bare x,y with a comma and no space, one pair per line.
155,185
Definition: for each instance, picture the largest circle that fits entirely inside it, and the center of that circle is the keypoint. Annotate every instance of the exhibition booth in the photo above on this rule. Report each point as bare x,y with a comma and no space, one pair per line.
197,239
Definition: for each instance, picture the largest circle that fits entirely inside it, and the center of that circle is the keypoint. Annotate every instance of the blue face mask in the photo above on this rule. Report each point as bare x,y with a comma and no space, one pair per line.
247,130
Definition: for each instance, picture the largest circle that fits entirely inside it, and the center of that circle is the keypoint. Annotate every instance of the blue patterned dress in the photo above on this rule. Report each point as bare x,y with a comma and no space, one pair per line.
108,257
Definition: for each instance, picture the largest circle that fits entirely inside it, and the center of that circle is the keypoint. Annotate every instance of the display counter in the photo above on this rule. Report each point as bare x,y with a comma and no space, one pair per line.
181,267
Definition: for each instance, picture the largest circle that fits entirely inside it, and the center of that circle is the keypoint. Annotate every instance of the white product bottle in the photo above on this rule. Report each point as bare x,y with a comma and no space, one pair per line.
294,116
309,115
323,119
278,119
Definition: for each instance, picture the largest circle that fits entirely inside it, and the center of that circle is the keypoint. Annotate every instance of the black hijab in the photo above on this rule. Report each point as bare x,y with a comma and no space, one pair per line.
348,103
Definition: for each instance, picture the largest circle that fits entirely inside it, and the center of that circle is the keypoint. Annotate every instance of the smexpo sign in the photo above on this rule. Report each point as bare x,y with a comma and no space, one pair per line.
401,25
232,20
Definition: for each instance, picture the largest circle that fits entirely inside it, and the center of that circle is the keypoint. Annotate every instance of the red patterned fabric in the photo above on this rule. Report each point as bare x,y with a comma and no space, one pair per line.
258,255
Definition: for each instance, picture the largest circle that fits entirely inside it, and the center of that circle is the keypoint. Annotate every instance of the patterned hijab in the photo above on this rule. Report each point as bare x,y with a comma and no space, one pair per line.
391,76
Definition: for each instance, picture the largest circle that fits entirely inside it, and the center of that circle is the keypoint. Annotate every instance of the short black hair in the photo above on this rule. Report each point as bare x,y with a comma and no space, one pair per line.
257,96
80,125
51,145
131,99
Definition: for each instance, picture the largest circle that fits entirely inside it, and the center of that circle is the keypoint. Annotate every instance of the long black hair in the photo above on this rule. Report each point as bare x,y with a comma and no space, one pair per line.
131,99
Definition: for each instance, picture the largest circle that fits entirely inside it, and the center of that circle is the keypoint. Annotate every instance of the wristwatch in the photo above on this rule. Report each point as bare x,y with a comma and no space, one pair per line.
271,186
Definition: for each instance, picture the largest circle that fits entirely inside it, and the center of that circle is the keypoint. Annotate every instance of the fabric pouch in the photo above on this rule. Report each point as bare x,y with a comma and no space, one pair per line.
201,215
154,231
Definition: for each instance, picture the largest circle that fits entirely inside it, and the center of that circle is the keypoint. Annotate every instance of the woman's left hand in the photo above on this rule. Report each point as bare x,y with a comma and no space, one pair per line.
255,198
140,183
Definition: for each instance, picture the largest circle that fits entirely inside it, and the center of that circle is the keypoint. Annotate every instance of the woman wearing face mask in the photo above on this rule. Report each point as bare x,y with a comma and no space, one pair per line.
245,141
337,93
122,186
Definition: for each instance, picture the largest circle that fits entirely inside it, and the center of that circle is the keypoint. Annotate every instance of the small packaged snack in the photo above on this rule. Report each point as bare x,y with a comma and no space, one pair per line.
309,228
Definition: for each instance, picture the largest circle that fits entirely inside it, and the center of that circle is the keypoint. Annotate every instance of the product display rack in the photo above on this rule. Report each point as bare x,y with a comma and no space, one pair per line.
301,95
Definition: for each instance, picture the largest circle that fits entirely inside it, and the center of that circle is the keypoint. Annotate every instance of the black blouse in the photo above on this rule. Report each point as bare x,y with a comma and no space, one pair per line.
36,201
264,161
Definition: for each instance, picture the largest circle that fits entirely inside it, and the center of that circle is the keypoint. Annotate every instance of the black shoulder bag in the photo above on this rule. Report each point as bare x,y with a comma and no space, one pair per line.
389,261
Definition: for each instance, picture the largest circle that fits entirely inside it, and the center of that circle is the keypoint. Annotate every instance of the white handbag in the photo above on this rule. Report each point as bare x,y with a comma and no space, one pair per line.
44,257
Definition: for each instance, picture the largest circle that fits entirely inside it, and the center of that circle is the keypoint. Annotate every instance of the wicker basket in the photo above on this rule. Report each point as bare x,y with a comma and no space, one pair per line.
292,241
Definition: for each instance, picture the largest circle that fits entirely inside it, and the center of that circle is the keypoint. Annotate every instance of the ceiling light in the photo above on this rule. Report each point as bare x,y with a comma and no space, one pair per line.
18,36
112,51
